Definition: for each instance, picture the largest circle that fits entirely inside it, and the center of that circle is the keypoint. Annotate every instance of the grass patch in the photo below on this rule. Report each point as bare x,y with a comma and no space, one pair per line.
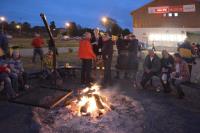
26,42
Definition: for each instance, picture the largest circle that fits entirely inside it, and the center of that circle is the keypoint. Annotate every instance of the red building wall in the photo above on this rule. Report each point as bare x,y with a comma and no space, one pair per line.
142,19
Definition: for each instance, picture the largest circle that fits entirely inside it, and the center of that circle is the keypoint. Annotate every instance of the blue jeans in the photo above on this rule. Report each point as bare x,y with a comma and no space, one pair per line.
14,79
7,84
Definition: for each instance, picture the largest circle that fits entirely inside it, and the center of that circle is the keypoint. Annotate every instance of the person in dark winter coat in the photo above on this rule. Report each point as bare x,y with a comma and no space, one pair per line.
152,67
133,61
97,42
122,59
107,53
167,65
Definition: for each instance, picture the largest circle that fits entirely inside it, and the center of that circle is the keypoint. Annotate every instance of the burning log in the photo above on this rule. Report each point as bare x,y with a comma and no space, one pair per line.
90,102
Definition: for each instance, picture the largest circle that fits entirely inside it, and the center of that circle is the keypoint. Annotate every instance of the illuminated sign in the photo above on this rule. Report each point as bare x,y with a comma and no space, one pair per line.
167,9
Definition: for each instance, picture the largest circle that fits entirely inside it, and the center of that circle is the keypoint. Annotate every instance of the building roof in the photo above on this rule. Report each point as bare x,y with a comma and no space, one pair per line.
164,3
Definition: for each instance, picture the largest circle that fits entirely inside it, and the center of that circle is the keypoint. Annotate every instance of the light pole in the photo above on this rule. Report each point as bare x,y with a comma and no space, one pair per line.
2,20
67,25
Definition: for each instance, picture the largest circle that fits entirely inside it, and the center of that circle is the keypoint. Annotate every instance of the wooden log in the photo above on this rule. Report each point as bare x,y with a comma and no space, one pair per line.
60,100
98,101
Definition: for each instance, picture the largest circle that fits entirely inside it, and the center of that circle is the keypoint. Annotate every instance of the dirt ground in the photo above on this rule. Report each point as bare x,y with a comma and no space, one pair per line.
163,112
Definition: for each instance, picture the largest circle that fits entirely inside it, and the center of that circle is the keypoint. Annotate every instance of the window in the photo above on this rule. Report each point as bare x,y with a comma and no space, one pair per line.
170,14
176,14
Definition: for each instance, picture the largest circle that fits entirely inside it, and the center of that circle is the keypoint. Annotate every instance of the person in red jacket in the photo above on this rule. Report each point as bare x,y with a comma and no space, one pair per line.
37,44
86,54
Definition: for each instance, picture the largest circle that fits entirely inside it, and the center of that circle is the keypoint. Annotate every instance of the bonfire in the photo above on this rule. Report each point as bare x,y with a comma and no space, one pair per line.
90,102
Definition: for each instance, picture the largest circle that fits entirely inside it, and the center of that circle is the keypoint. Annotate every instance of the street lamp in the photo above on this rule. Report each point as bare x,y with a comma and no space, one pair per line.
67,24
104,19
2,20
19,27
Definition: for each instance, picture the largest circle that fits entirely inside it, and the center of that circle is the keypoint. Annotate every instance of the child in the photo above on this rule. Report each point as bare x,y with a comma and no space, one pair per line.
48,66
17,68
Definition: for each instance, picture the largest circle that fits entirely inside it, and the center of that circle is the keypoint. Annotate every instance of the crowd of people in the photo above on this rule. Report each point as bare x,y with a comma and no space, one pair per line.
171,70
96,54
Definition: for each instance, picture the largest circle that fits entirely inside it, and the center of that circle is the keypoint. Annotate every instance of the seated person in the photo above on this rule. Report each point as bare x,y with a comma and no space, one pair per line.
17,68
167,64
152,66
4,77
12,76
180,75
48,66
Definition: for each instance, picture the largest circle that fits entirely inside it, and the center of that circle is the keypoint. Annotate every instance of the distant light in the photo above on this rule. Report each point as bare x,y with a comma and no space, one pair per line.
164,15
67,24
104,19
2,19
18,26
170,14
176,14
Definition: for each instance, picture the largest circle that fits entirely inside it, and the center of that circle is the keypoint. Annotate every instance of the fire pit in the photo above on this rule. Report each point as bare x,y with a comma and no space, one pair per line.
93,111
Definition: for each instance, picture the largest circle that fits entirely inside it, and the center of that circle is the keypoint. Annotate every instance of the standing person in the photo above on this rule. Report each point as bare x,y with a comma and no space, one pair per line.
133,61
167,65
186,52
180,75
4,44
86,54
37,44
152,66
122,59
97,44
107,53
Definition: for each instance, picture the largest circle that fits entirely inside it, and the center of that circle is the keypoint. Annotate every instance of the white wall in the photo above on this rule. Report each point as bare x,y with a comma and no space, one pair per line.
143,33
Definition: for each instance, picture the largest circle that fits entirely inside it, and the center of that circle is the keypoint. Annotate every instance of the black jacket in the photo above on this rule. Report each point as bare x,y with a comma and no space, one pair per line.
167,63
133,46
107,50
154,65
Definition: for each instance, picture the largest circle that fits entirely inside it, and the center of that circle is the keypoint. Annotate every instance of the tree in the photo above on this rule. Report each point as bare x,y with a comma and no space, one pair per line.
116,30
26,27
72,30
126,32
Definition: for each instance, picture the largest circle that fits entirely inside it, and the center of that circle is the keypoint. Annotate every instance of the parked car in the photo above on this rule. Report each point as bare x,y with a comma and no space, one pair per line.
65,38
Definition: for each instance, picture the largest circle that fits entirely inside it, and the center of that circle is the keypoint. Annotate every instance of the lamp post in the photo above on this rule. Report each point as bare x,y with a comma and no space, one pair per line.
104,20
2,20
67,25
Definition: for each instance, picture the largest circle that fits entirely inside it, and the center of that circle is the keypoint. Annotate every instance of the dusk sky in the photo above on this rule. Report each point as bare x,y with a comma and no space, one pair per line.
87,13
